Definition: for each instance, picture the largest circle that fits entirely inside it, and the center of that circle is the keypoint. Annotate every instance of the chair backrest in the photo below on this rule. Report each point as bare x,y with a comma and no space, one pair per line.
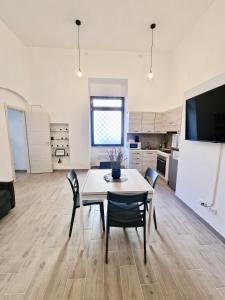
105,164
133,207
72,178
151,176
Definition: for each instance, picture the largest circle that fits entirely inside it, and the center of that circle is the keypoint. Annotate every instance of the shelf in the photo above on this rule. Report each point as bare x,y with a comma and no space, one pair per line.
59,140
59,131
63,156
60,134
60,147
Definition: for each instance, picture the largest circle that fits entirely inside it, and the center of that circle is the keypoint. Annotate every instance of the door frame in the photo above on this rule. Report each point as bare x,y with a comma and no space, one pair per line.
17,108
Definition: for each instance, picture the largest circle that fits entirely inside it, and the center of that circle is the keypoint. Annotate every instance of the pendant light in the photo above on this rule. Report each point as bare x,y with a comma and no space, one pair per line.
151,74
78,23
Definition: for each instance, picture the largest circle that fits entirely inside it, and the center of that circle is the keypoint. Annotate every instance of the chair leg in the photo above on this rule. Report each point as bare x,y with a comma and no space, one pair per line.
102,215
144,230
106,244
72,219
154,218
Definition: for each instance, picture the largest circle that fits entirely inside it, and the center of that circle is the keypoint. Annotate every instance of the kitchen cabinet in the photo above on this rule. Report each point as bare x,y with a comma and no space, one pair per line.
149,160
135,160
135,121
173,119
148,122
173,169
141,160
160,123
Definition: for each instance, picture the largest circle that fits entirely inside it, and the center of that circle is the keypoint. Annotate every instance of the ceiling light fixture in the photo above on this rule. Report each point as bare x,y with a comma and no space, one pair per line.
150,74
78,23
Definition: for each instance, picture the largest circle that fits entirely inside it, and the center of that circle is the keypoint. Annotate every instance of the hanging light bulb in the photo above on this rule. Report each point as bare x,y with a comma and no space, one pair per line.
78,23
151,74
79,73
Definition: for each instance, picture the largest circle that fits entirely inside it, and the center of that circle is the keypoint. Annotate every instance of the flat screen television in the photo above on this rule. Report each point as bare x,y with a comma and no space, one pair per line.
205,116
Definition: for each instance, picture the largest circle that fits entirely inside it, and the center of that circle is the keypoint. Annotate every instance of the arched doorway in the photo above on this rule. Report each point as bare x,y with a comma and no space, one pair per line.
14,132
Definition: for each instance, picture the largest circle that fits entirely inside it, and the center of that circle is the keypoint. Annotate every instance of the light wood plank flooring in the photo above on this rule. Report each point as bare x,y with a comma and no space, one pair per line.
37,261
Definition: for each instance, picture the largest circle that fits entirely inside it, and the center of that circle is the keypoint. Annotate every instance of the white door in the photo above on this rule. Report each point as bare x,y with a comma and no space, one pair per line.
38,135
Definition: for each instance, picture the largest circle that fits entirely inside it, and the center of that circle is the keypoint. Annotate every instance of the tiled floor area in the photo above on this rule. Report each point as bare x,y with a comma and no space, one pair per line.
37,261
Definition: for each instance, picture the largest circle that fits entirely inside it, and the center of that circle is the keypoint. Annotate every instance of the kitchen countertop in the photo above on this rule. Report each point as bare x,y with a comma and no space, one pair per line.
164,154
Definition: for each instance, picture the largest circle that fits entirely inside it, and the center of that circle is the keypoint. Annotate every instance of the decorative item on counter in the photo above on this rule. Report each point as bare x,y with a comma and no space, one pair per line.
52,138
116,157
59,161
136,139
60,152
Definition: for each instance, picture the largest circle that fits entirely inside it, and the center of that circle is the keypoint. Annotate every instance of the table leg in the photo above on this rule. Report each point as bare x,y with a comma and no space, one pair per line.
82,223
150,216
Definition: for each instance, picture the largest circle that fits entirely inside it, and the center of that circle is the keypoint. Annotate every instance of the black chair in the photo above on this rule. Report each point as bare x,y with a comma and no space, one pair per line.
105,165
151,176
72,178
122,214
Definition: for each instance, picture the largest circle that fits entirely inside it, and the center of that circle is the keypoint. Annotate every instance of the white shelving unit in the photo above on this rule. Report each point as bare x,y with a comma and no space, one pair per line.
60,140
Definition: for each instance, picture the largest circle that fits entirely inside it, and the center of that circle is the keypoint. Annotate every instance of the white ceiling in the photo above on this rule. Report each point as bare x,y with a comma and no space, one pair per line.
106,24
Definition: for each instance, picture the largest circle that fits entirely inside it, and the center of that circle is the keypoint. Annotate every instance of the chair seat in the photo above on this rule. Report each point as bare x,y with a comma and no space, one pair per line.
127,214
88,202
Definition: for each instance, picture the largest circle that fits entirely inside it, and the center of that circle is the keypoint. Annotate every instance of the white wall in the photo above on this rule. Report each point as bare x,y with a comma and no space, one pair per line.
195,65
14,62
14,89
17,139
6,171
55,86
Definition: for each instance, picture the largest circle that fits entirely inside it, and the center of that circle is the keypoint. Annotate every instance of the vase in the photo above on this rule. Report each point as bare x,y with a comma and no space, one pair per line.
116,171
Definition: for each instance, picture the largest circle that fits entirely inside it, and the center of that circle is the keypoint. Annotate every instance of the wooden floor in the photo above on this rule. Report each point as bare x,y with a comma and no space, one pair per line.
37,261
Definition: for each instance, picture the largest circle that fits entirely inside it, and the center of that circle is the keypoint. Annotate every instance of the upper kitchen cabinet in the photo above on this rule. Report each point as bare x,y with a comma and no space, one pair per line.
135,121
151,122
173,119
160,123
148,122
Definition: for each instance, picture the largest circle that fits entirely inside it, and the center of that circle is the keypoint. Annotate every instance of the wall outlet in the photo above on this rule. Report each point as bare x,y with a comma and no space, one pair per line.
203,203
213,210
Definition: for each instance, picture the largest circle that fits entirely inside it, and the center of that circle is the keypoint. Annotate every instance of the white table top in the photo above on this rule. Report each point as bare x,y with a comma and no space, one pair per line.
95,184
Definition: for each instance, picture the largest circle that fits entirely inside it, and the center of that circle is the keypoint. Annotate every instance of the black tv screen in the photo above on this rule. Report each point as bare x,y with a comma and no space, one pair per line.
205,116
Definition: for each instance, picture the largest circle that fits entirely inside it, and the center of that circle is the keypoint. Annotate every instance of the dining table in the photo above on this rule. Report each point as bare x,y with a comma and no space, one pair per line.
98,183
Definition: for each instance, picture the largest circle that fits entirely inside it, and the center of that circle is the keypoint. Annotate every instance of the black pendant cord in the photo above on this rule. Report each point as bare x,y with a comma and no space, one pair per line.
78,43
151,52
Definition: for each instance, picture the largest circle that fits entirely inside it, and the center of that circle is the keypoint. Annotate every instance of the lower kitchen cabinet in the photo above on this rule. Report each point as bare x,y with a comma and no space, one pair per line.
141,160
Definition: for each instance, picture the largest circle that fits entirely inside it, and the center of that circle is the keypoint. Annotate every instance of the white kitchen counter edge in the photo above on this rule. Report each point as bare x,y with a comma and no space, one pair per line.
167,155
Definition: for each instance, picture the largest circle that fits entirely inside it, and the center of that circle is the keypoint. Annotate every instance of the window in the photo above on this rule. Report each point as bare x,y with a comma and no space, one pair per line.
107,121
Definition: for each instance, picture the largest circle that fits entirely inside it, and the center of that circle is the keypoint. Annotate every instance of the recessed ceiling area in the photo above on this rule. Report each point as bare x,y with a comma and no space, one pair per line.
106,24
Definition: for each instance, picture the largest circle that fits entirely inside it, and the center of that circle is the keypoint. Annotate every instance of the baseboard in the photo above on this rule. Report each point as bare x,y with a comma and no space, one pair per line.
213,230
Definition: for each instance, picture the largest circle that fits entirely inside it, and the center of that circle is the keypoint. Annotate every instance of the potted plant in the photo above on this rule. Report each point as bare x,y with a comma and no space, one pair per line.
116,157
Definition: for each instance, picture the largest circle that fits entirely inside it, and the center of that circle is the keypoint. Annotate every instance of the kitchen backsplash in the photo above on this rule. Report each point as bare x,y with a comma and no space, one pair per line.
152,141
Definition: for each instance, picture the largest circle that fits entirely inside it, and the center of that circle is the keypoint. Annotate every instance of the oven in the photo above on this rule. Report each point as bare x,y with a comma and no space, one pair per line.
161,165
